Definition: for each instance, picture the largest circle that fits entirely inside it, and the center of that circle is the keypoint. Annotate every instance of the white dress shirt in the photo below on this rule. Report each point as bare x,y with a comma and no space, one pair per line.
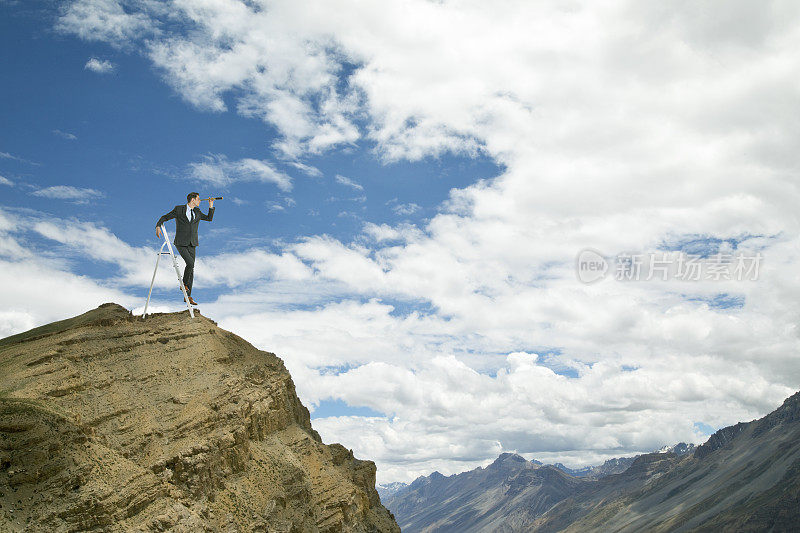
188,212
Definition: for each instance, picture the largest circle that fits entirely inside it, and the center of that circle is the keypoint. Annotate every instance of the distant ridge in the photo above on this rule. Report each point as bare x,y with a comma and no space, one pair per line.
745,477
511,490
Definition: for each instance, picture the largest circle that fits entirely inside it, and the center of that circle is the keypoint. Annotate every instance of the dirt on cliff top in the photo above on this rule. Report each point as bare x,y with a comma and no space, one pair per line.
113,422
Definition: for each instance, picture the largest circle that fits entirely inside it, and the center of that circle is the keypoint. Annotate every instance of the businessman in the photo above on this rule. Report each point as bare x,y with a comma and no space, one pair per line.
187,217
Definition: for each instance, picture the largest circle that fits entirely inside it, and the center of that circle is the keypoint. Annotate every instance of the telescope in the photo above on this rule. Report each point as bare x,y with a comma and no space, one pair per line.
211,198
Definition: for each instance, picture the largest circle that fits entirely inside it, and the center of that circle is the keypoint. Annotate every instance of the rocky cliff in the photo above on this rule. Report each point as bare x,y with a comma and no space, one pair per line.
111,422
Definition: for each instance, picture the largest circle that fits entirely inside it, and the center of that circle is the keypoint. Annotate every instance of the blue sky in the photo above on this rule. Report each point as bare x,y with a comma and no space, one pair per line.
407,187
134,140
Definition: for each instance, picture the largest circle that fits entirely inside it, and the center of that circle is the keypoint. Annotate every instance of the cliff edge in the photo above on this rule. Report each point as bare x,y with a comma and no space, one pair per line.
111,422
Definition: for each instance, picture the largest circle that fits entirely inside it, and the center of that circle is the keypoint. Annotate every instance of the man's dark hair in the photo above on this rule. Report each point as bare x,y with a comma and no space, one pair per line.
192,195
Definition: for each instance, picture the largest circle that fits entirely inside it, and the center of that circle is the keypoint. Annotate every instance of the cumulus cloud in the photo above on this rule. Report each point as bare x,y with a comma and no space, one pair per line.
10,247
385,232
107,21
287,75
35,293
101,66
215,169
38,287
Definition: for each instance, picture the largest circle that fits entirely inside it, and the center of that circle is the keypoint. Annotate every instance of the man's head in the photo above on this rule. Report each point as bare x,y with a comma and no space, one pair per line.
193,199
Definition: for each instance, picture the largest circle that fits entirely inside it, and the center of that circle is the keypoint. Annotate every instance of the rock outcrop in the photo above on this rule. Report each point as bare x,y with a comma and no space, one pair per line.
111,422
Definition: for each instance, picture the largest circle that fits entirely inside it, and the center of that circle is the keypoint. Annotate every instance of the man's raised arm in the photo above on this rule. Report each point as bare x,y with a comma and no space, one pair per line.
210,214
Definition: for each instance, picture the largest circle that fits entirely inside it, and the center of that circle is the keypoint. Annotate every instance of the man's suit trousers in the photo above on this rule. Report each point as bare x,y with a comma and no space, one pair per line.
187,252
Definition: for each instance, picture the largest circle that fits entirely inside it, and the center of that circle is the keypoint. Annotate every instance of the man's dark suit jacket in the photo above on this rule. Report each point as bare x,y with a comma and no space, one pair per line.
185,231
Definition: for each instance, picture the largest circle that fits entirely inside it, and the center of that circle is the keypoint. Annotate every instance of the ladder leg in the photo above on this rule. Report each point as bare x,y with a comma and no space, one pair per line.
178,273
152,281
180,282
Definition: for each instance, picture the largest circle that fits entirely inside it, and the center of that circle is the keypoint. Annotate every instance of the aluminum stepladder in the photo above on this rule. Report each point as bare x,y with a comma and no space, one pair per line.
170,253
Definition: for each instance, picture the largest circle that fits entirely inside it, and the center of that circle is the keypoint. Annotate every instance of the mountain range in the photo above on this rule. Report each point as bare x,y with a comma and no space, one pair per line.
745,477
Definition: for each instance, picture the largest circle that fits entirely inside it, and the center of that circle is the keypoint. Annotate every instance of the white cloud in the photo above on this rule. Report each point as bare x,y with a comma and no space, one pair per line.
344,180
240,269
6,155
406,209
101,66
107,21
37,287
12,322
405,367
65,135
288,76
6,181
385,232
215,169
10,247
309,170
35,294
68,192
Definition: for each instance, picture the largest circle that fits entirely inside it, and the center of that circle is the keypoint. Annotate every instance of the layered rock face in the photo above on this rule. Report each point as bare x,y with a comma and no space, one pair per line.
109,422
